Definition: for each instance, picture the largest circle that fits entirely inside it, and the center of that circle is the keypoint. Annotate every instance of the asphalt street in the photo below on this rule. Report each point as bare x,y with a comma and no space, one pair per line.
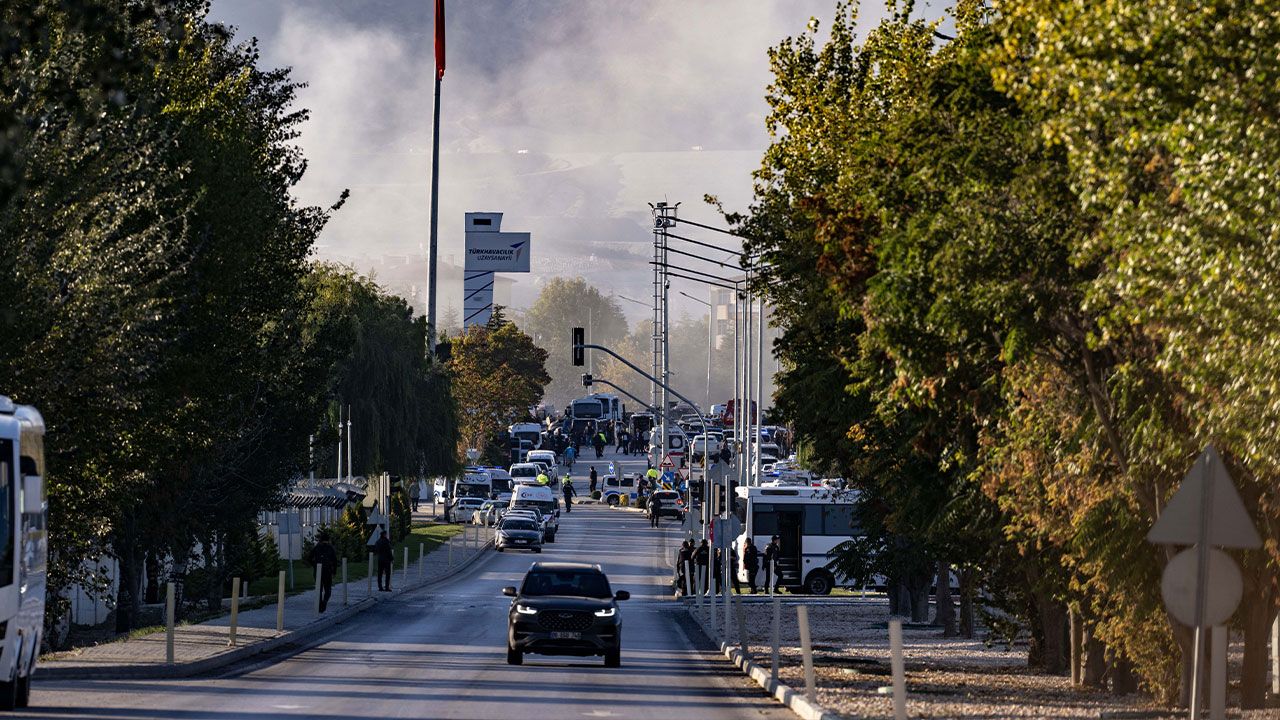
440,653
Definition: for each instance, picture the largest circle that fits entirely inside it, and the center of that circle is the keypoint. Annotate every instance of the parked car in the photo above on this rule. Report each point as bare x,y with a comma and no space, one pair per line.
672,504
489,514
461,510
564,609
518,533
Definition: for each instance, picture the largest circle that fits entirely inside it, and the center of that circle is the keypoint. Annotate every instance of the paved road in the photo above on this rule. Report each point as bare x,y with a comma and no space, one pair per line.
439,653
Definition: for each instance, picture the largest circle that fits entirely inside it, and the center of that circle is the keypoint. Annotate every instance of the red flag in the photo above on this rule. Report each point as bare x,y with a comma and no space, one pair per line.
439,39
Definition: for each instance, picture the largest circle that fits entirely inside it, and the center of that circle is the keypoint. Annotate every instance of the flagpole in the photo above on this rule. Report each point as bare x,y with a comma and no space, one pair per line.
435,217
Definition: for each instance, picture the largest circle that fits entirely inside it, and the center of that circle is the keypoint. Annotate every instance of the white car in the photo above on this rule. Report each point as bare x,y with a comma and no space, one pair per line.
547,457
490,513
461,510
700,444
524,473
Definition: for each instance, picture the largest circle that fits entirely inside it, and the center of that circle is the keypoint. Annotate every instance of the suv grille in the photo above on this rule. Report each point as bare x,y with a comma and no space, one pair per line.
570,620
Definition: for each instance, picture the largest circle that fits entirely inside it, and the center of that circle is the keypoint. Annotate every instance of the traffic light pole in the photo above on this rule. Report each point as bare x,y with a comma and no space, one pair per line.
578,359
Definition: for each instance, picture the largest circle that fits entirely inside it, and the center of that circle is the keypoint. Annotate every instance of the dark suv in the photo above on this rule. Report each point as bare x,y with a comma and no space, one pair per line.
565,609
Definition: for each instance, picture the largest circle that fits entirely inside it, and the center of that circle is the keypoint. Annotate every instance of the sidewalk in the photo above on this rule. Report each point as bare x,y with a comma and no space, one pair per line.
204,647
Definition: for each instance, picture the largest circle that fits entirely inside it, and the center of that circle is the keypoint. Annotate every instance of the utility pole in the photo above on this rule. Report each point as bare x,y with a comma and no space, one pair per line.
664,217
339,475
349,475
435,183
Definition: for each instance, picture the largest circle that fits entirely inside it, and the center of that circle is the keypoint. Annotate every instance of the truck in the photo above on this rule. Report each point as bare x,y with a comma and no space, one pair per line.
24,547
530,431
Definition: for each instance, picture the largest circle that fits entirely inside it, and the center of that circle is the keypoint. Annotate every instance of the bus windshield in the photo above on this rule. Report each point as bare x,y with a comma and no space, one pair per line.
587,409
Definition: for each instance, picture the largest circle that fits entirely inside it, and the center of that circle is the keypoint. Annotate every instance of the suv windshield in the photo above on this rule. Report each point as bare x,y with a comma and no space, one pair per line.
573,583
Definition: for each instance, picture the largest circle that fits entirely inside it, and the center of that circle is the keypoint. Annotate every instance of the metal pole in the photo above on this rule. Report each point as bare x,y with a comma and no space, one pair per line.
235,610
666,347
1202,567
339,475
344,582
899,670
369,577
349,475
710,342
776,637
169,601
280,603
435,221
759,399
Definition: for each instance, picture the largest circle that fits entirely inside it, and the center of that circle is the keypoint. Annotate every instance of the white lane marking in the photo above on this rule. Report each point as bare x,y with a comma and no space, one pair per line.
600,713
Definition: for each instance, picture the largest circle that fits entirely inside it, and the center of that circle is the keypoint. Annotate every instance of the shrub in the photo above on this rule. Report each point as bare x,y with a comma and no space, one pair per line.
595,494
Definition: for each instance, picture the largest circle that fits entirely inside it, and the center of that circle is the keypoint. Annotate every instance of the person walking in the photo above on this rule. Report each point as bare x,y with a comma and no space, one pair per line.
702,561
382,549
716,568
566,486
771,564
415,493
655,510
751,563
598,441
623,437
592,478
682,562
324,559
570,454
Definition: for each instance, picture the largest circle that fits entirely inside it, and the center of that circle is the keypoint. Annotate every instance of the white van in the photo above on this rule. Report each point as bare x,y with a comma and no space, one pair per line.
542,456
540,499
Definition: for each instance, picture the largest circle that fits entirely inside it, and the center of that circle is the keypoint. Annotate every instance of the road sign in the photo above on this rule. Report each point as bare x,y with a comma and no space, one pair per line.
287,523
666,463
1229,524
1223,589
375,518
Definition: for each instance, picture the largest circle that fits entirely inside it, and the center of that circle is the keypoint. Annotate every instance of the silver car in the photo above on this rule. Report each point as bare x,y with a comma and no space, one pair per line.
517,533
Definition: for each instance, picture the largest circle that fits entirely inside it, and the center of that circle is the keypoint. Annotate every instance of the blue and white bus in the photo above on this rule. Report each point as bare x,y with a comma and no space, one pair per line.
24,549
809,522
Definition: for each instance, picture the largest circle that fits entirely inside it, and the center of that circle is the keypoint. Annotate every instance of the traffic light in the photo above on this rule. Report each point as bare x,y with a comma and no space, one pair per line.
586,380
579,352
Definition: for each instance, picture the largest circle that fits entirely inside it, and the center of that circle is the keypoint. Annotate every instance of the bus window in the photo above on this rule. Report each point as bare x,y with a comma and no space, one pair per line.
813,519
838,520
764,522
7,492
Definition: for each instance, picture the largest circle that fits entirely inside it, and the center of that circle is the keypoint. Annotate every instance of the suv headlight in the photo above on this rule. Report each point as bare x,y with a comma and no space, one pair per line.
607,612
526,610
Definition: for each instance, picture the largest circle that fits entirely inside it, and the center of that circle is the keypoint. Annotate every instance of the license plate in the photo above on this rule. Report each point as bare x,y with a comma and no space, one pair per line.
520,541
566,636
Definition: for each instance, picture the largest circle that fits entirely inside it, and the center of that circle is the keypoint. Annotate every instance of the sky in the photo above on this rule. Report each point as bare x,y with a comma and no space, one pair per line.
569,116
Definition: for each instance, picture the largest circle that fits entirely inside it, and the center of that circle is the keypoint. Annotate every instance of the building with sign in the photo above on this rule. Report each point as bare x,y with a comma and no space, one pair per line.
487,251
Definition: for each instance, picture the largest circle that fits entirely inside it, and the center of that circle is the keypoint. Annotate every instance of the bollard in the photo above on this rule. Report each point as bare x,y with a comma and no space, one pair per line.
1218,674
344,582
806,652
168,622
280,604
776,638
319,589
899,673
235,610
449,542
369,577
744,643
404,572
421,555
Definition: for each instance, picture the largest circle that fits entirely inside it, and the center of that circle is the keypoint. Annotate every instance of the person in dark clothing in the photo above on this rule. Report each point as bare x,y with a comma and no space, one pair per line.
598,443
733,570
567,488
770,564
382,549
324,559
682,562
717,568
751,563
655,510
622,442
702,561
592,478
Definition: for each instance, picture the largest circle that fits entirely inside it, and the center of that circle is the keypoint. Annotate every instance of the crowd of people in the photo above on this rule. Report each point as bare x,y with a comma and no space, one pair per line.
702,557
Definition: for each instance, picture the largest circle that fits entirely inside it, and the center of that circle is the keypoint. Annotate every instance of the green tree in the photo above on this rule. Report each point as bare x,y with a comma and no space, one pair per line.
565,303
499,375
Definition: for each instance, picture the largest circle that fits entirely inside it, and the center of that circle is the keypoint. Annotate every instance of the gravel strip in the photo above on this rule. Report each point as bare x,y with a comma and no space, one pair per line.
946,677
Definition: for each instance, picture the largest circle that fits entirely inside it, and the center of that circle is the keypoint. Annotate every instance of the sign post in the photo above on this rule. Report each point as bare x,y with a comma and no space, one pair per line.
1202,586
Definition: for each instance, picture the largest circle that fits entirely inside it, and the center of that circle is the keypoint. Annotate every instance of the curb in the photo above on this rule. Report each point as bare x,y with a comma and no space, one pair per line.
153,671
795,701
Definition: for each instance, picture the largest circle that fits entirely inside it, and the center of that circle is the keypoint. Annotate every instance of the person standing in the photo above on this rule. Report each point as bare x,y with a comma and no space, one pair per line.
592,478
771,552
566,486
415,493
682,563
622,442
717,567
751,563
655,510
570,454
382,549
702,561
325,559
598,441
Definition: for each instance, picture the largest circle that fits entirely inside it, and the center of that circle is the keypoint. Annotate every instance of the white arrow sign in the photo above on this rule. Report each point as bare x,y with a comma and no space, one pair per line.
1229,524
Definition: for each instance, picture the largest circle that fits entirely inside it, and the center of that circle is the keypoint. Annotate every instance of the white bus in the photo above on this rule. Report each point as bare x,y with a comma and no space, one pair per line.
809,522
24,549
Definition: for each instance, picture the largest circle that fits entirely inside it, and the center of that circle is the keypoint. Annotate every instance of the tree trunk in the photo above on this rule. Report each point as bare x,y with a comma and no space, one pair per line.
129,595
1077,646
1255,616
1123,680
1053,633
893,588
946,613
967,624
920,596
1095,661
